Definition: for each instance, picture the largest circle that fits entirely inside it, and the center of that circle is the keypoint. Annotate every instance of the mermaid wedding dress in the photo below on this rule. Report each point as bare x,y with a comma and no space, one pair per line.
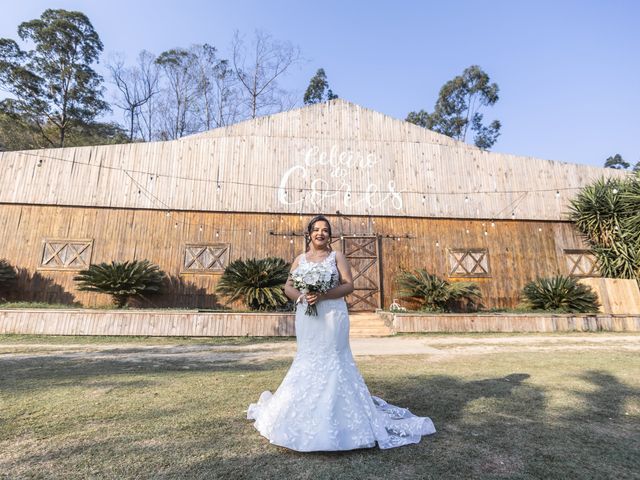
323,403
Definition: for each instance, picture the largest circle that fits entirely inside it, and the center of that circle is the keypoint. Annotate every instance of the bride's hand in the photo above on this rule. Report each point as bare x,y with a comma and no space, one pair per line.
312,298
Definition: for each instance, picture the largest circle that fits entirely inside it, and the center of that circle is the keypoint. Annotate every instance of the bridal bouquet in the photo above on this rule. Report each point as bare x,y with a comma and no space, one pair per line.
312,278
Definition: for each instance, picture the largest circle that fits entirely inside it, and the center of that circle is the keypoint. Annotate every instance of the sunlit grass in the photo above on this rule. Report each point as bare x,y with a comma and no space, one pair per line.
503,415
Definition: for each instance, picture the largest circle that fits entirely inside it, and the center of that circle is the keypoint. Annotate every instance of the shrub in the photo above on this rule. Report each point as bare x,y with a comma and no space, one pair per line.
258,283
560,293
607,213
438,295
121,280
7,275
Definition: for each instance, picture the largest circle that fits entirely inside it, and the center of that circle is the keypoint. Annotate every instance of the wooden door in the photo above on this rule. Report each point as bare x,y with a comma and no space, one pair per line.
363,255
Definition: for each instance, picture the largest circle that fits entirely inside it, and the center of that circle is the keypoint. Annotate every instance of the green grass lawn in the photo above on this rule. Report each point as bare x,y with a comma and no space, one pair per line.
532,415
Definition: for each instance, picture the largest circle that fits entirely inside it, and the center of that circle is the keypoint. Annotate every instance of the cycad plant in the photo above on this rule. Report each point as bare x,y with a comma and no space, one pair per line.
7,275
121,280
560,293
607,213
435,294
258,283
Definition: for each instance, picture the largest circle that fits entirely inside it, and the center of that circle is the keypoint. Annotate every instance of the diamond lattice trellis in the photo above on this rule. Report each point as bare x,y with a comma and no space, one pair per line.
206,258
469,262
581,263
66,254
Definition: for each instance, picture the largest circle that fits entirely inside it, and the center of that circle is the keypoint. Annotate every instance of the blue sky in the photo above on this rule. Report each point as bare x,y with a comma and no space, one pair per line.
568,71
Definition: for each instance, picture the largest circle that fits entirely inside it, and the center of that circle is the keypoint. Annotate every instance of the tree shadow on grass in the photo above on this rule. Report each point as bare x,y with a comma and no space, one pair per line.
497,427
43,371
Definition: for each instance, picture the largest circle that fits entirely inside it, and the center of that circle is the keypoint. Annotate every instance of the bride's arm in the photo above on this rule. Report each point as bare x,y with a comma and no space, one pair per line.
291,292
346,281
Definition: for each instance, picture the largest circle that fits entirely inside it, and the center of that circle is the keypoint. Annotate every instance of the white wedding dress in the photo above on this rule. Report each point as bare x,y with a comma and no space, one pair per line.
323,403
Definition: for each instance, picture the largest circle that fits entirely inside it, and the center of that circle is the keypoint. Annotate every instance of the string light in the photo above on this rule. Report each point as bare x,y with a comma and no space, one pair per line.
219,183
168,211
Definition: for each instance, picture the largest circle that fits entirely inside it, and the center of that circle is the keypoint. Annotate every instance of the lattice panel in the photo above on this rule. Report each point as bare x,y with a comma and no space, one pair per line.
66,254
205,258
469,262
362,253
581,263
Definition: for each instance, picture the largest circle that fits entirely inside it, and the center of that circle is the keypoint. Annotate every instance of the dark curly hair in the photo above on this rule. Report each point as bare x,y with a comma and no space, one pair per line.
312,222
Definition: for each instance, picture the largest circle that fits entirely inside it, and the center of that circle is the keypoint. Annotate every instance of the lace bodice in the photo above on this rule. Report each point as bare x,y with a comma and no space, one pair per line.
329,261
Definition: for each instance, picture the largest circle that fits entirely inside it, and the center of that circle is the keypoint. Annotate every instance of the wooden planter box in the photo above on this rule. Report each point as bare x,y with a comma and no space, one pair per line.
145,323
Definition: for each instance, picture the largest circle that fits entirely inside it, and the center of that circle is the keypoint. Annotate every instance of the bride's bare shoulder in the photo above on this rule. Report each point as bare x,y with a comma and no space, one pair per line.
296,261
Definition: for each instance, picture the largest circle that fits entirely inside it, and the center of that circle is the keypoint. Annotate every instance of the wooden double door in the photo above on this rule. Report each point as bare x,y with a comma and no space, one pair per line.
363,254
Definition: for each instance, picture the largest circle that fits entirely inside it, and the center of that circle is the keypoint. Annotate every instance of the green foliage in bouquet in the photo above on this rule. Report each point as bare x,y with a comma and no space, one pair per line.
121,280
7,275
560,293
607,213
437,295
258,283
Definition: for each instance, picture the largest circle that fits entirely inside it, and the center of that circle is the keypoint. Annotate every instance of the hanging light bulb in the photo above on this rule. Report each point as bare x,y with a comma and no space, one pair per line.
249,231
291,241
493,224
217,234
437,243
467,230
557,193
466,199
201,228
176,225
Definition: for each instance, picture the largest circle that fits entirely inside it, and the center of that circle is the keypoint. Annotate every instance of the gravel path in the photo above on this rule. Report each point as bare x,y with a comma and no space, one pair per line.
438,348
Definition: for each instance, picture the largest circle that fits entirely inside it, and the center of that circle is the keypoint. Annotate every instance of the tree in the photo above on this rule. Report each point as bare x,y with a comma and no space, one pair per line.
318,89
616,162
136,85
18,132
457,109
258,72
607,213
54,84
177,110
217,97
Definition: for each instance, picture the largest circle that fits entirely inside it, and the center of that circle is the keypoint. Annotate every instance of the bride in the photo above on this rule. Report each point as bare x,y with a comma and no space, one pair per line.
323,403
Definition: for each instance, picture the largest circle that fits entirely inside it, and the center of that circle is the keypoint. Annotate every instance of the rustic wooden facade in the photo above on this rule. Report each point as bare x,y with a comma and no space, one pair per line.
399,196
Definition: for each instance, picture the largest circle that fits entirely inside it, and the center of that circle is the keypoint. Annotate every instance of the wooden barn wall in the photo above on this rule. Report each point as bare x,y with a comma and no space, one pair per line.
279,164
519,250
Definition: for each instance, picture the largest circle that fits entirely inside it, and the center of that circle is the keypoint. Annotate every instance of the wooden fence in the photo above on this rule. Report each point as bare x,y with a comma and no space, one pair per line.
145,323
211,324
410,323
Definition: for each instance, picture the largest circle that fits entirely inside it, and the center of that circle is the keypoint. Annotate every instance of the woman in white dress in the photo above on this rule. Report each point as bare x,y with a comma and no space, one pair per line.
323,403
